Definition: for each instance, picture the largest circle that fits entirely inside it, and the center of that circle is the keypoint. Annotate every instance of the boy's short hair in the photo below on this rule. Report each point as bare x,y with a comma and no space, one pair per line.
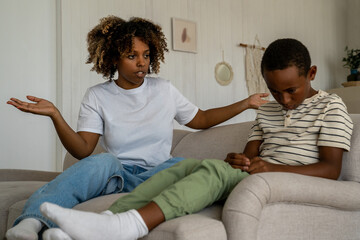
284,53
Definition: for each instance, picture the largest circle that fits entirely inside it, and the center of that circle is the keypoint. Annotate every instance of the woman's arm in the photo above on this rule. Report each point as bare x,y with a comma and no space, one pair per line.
79,144
211,117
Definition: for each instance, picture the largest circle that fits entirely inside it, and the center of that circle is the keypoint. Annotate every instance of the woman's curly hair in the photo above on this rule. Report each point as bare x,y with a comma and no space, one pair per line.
113,37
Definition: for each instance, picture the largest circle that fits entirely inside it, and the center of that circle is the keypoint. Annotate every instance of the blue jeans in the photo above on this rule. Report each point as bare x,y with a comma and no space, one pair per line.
91,177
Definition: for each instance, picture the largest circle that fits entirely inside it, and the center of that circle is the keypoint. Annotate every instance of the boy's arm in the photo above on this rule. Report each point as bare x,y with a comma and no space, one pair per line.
329,165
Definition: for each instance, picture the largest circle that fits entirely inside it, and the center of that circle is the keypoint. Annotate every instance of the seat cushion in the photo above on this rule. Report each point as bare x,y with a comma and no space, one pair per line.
203,225
12,192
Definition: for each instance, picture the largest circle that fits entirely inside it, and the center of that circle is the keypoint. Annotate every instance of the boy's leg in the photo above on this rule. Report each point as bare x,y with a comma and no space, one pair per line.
165,165
133,179
211,181
145,192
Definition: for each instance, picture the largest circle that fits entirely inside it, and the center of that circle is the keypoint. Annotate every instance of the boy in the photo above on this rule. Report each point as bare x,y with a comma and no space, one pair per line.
305,131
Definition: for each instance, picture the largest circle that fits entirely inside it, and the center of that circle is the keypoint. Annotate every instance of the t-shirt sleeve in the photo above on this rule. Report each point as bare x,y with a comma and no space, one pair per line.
185,110
256,132
89,118
337,126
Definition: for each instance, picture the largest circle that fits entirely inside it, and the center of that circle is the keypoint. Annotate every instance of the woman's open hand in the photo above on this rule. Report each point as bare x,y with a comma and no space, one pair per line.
256,100
40,107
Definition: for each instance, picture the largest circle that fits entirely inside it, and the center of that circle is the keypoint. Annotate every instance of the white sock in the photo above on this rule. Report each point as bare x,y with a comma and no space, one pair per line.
107,212
87,225
55,234
27,229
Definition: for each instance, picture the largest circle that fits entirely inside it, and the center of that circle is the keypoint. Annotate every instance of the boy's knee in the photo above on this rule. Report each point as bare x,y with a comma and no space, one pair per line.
189,162
212,162
186,166
216,167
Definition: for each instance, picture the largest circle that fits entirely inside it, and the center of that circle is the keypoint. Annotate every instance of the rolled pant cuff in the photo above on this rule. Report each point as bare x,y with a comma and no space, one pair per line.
166,208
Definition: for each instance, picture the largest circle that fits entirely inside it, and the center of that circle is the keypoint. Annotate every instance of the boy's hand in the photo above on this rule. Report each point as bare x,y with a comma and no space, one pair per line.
258,165
238,161
256,100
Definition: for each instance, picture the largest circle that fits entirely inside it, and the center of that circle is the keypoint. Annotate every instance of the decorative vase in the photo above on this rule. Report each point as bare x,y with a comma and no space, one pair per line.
354,75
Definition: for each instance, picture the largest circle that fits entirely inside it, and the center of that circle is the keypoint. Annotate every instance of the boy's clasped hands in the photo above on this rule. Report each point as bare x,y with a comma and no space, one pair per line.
250,165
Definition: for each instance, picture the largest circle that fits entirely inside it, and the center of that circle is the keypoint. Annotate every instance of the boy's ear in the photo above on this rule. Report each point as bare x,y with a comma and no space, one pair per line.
312,73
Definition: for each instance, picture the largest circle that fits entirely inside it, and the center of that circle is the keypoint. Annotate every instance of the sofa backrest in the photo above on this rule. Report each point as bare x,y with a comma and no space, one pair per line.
351,160
216,142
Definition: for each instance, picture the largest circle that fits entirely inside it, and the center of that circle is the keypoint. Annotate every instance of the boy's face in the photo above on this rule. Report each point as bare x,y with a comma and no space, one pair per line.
288,88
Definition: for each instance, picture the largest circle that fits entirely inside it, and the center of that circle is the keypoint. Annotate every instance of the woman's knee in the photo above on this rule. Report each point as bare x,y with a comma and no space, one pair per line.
102,160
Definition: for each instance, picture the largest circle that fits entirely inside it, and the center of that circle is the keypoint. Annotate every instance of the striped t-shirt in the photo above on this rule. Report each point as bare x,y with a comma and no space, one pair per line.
292,137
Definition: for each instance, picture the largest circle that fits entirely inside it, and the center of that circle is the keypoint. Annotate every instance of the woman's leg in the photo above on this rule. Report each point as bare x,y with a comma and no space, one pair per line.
84,180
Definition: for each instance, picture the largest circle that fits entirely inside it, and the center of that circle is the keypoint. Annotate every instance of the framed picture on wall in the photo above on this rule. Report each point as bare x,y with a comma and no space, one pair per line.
184,36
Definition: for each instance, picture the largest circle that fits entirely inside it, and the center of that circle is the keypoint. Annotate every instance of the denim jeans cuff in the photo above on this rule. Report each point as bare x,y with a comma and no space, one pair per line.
116,188
42,219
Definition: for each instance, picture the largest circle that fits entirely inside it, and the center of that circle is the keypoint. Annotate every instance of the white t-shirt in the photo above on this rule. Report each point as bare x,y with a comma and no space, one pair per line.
137,124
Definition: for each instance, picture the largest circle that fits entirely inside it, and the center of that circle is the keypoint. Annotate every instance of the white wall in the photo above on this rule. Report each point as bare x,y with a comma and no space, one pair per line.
222,25
27,67
321,25
353,24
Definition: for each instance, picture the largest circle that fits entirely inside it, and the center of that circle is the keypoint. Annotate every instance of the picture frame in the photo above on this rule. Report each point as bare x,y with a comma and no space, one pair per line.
184,35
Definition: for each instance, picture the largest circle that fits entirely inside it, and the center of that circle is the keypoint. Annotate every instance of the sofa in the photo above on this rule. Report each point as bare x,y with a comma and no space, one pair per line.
262,206
350,96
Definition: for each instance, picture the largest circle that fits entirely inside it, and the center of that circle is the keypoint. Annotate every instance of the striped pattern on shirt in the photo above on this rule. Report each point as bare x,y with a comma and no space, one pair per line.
293,137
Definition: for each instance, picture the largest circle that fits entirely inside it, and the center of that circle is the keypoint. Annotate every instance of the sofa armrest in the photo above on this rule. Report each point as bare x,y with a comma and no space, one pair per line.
26,175
243,207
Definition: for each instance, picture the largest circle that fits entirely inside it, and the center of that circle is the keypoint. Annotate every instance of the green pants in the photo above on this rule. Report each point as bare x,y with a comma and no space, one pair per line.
185,188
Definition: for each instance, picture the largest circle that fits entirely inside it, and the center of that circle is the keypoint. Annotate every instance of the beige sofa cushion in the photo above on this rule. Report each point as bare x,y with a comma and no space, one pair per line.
195,226
350,165
11,193
219,142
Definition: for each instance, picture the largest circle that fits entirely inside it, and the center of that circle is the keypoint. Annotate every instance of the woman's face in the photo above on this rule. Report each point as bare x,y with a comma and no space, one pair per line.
133,67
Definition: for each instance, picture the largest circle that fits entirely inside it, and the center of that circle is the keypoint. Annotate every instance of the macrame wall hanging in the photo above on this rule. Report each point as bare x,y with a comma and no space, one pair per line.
254,80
